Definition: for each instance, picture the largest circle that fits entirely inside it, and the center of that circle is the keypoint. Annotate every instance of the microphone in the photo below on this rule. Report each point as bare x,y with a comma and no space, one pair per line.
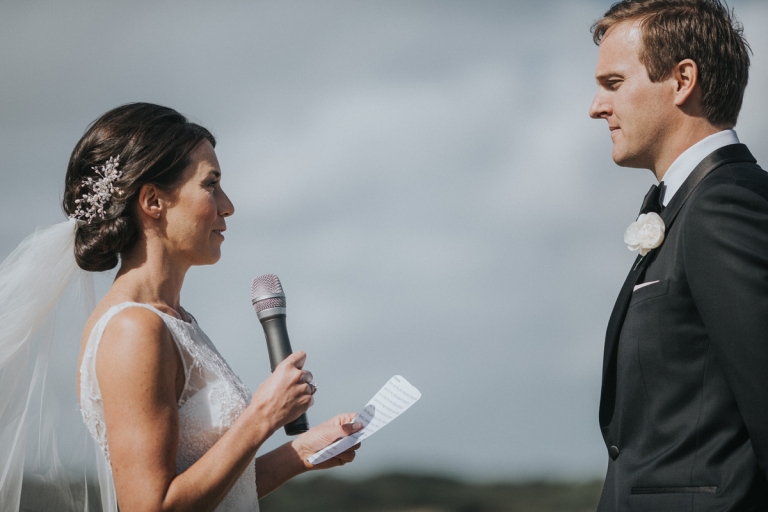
268,299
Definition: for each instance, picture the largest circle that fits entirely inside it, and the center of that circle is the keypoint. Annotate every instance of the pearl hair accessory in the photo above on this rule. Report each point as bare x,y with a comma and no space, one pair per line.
101,191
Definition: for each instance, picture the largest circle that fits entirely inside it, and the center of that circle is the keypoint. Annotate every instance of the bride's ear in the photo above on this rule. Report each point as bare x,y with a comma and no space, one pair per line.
152,201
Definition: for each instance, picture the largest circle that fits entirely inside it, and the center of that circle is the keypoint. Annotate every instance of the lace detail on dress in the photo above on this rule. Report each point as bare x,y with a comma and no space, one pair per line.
212,399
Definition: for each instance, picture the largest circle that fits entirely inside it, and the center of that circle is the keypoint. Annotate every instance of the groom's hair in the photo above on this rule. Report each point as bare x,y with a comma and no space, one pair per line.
705,31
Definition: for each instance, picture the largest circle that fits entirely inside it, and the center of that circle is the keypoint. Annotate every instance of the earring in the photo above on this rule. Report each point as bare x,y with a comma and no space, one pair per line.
158,215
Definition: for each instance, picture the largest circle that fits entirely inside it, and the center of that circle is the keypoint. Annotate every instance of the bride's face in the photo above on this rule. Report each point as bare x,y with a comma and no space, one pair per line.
195,216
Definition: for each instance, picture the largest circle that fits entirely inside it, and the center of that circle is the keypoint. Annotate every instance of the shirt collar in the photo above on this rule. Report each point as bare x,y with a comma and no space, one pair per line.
684,165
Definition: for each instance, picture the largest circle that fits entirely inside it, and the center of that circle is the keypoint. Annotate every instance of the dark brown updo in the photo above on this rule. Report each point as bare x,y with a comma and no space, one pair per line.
154,143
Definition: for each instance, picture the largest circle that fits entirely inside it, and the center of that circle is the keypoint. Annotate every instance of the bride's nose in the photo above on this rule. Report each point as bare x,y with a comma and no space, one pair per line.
225,206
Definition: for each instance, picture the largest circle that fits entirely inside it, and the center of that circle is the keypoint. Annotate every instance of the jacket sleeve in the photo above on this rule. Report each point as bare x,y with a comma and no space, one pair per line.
725,247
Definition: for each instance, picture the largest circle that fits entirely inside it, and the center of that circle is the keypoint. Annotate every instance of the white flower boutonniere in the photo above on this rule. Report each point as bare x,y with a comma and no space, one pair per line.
646,233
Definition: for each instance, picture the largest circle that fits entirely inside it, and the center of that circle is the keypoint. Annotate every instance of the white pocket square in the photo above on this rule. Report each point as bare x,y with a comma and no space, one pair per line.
643,285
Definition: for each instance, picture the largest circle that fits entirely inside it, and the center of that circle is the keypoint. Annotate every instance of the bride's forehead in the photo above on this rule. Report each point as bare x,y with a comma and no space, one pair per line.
203,161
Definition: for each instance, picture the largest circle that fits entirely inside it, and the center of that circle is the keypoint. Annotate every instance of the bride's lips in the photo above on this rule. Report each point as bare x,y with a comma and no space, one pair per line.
220,232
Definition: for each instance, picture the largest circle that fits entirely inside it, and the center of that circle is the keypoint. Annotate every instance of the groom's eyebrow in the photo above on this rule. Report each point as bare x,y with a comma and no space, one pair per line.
608,76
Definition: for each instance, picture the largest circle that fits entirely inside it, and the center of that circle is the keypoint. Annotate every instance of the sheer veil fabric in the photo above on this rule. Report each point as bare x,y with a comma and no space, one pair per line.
45,299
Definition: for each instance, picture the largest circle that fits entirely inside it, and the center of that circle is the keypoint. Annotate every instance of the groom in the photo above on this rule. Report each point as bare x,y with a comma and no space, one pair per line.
684,403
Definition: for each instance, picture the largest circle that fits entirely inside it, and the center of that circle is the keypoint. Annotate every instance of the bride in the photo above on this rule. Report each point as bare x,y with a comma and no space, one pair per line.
177,427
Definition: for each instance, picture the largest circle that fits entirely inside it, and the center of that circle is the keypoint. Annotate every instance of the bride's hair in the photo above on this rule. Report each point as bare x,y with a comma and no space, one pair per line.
154,143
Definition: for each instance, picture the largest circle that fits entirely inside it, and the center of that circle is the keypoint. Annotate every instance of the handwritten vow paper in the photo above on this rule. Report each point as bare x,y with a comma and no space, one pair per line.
391,401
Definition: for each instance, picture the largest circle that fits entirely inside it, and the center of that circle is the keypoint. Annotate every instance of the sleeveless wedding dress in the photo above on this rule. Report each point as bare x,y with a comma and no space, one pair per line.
212,399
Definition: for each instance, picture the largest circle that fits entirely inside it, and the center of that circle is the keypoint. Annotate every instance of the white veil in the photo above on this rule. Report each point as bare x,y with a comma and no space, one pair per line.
44,301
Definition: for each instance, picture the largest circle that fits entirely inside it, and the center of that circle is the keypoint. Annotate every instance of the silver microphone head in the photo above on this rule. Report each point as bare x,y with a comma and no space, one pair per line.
267,295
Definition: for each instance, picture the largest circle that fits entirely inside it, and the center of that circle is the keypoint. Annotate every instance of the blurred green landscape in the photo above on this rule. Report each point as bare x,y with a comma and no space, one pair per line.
391,492
401,492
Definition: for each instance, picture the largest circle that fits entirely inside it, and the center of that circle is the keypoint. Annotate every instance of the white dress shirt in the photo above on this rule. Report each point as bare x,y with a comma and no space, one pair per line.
681,168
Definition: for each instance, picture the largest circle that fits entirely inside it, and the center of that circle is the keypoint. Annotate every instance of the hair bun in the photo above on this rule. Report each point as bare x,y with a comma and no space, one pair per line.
98,245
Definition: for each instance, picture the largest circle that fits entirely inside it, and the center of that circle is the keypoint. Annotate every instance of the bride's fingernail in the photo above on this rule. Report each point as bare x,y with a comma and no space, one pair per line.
357,425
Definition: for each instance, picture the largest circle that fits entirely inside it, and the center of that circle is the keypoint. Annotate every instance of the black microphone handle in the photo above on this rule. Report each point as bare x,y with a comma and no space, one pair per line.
279,347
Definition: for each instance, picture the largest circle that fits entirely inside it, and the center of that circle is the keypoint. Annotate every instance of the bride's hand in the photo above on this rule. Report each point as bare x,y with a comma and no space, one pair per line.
275,468
285,395
328,432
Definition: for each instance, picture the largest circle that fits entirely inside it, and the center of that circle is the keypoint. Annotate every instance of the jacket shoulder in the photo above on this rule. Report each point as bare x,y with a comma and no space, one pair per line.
732,181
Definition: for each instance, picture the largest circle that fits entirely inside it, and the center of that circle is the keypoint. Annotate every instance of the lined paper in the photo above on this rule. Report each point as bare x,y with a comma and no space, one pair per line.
391,401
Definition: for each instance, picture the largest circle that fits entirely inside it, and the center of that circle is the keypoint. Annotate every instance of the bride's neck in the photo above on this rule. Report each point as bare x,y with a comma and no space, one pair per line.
151,274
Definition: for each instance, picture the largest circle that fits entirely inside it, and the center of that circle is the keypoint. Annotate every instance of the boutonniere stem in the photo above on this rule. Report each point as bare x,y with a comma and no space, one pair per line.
638,263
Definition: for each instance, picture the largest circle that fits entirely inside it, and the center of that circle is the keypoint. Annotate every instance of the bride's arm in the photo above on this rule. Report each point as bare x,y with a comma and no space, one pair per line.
137,367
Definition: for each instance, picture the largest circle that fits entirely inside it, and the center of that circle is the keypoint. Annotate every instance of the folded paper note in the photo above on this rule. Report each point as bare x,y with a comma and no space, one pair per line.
391,401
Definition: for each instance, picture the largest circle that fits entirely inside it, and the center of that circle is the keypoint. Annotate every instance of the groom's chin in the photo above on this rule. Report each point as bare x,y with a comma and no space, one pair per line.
622,158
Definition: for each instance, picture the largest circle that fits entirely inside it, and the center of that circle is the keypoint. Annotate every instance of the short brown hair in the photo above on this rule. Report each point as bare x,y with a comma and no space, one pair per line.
705,31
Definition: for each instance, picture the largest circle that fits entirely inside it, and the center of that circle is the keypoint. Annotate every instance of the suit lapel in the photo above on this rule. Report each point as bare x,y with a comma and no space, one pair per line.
722,156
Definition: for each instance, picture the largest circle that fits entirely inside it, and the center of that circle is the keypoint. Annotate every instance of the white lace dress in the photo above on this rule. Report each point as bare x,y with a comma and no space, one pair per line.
212,399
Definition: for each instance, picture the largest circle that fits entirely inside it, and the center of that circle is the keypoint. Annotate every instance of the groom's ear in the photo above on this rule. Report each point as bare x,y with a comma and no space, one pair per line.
686,79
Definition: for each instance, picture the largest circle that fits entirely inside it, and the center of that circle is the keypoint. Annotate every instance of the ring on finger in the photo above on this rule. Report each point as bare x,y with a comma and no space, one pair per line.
311,388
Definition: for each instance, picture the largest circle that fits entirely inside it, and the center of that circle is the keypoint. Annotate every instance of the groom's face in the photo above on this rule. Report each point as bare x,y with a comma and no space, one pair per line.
637,110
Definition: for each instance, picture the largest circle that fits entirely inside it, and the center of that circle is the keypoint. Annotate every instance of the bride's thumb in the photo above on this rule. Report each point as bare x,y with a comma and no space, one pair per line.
350,428
296,359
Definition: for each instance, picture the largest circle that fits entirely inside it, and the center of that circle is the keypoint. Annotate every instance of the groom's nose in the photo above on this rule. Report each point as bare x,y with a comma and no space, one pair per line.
600,107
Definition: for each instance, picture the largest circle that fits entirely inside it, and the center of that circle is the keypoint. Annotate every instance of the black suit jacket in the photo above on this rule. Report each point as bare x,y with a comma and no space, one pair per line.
684,403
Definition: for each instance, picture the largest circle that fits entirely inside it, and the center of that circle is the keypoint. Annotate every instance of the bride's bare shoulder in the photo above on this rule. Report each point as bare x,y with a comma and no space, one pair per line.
132,326
128,314
135,340
134,330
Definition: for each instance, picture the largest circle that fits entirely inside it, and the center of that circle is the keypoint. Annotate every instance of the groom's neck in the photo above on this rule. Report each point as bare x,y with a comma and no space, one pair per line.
686,132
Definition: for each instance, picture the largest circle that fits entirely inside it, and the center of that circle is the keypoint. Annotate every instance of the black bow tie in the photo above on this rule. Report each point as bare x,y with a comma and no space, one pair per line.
653,201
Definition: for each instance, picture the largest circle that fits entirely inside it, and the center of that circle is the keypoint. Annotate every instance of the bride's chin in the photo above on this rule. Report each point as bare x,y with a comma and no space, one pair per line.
207,258
214,257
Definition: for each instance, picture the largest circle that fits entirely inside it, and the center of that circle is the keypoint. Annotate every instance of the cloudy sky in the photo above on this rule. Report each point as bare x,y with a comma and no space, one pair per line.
422,176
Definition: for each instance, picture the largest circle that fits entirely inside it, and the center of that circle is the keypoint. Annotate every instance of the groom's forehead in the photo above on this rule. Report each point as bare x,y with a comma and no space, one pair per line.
622,39
620,48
